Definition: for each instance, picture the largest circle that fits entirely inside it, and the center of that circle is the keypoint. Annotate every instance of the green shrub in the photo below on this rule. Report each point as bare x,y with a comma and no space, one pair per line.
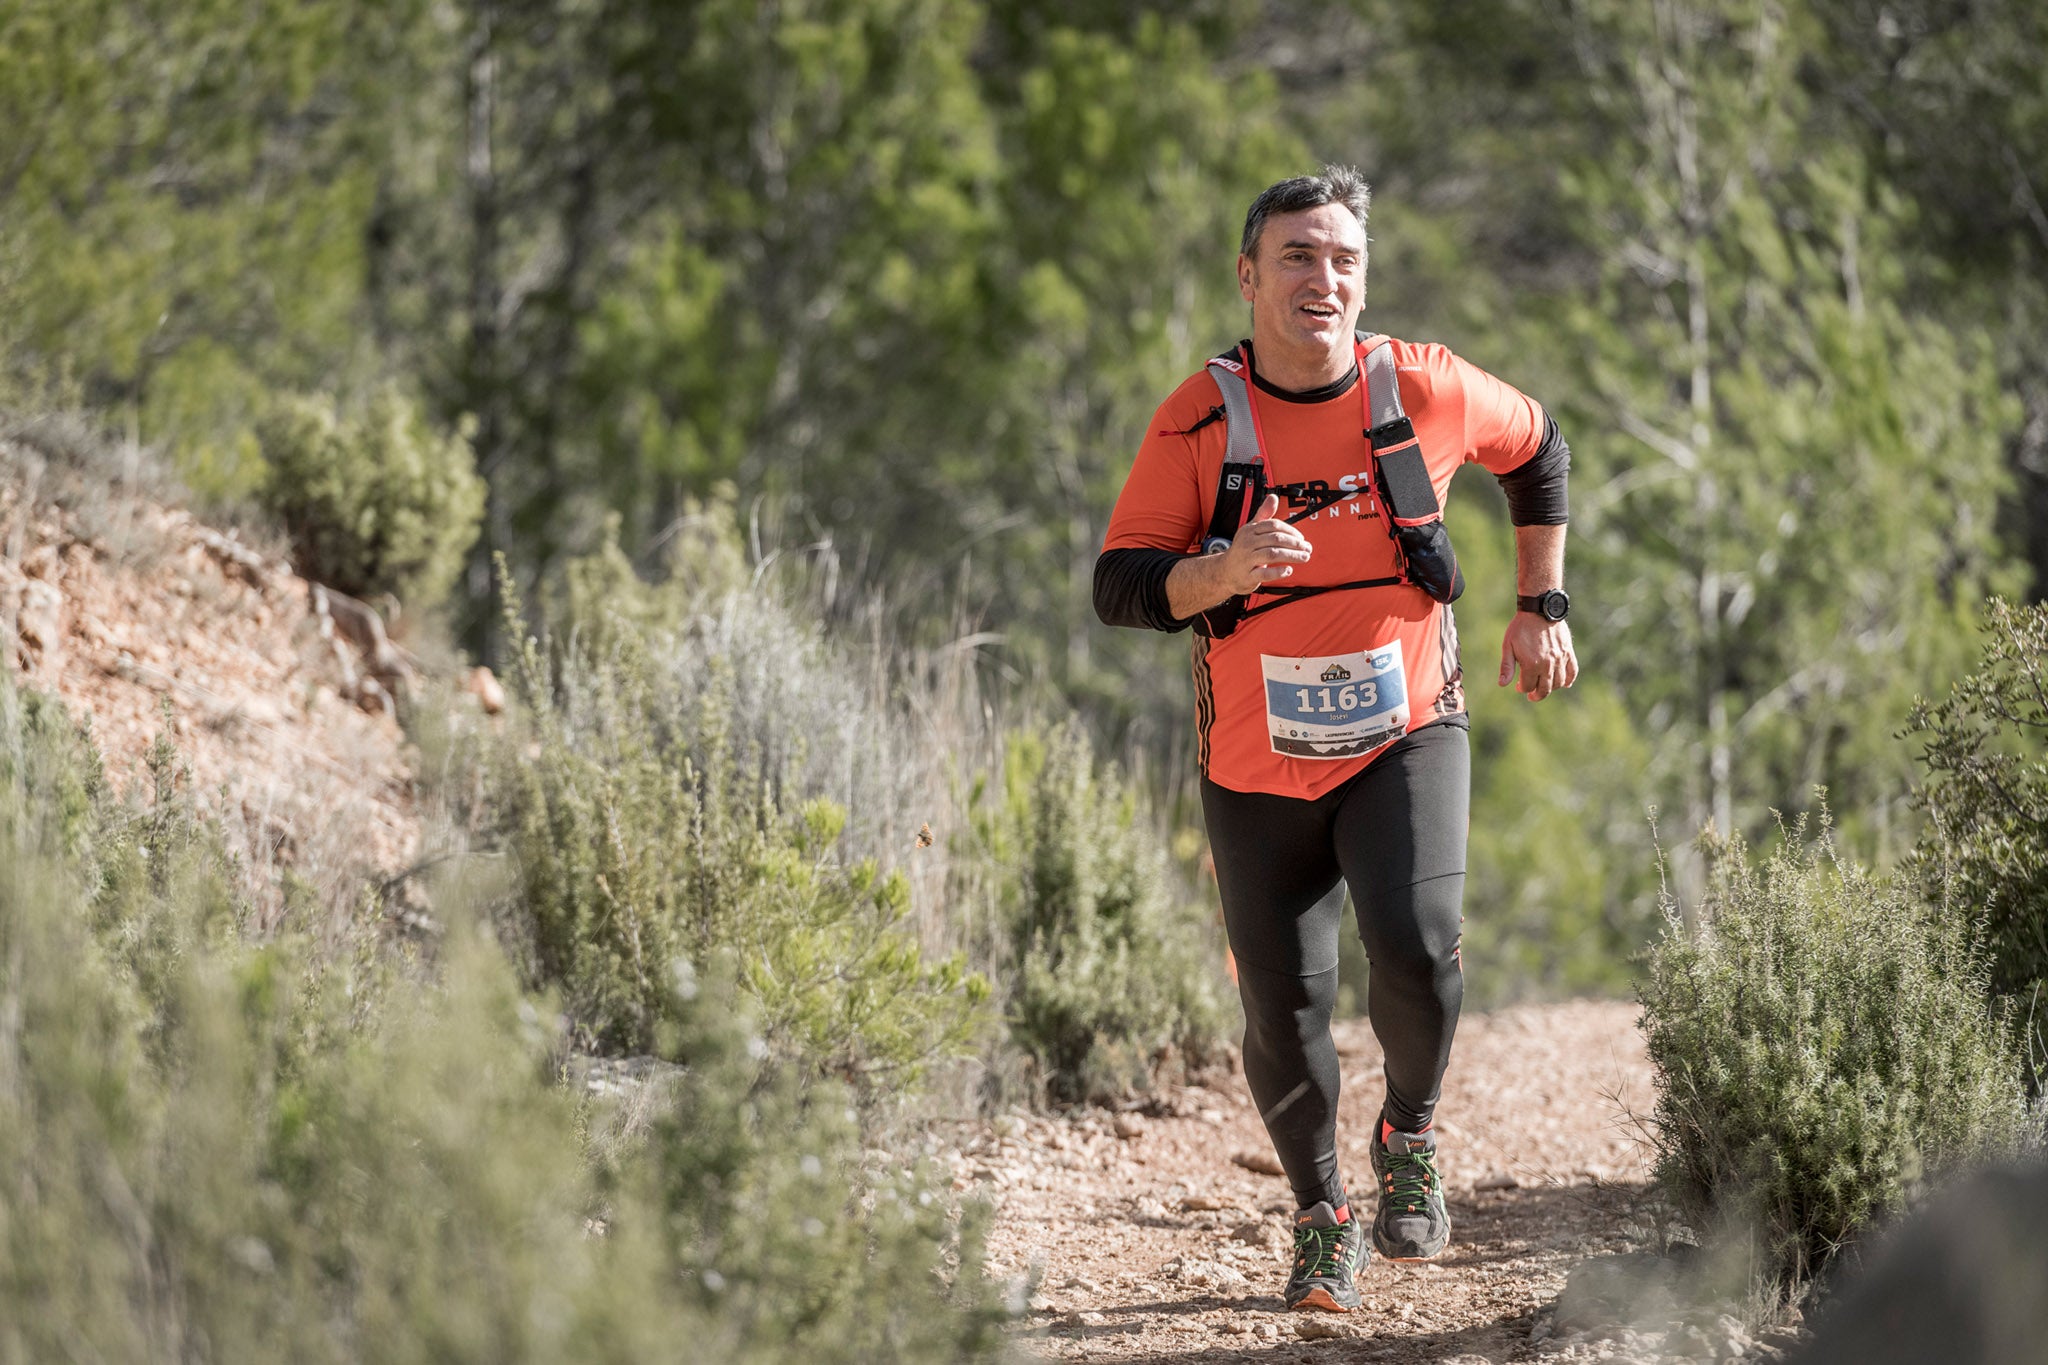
1114,975
663,806
373,502
704,767
215,1153
1821,1048
1984,853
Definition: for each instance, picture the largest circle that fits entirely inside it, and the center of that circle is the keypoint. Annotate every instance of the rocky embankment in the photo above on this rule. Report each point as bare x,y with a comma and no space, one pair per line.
277,694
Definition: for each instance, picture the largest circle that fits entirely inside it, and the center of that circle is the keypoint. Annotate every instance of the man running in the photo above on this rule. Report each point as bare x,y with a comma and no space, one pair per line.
1329,698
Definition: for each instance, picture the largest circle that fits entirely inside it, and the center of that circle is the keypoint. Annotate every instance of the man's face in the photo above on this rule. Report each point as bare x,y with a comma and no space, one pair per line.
1308,281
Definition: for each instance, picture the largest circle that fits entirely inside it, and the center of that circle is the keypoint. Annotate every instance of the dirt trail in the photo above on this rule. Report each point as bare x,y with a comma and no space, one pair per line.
1155,1246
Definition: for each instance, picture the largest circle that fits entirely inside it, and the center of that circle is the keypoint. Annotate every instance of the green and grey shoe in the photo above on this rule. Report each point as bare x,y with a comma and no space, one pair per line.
1329,1251
1412,1223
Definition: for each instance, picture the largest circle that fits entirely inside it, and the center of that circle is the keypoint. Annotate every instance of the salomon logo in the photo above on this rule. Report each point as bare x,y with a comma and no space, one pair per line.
1234,482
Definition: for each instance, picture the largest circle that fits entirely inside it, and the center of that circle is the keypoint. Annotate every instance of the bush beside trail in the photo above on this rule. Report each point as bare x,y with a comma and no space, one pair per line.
1984,857
375,501
1114,974
698,767
224,1149
649,834
1824,1050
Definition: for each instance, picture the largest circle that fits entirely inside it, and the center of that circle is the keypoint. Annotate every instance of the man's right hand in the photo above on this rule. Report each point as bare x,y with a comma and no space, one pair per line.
1263,550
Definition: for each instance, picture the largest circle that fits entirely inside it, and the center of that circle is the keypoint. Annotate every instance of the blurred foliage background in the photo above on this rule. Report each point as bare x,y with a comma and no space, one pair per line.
909,275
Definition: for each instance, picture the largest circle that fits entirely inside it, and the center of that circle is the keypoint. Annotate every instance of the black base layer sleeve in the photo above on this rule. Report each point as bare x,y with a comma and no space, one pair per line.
1395,837
1130,589
1536,487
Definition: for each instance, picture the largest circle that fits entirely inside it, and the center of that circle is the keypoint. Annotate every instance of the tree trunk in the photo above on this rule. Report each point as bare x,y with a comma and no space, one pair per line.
485,293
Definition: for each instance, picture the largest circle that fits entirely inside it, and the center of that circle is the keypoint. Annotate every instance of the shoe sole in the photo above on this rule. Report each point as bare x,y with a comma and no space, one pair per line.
1413,1260
1386,1255
1322,1299
1410,1259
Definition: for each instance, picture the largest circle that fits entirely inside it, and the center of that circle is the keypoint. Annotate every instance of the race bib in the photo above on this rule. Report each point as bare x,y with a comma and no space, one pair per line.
1337,706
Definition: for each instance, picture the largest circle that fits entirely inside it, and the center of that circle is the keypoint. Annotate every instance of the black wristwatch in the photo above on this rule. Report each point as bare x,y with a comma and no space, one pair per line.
1551,606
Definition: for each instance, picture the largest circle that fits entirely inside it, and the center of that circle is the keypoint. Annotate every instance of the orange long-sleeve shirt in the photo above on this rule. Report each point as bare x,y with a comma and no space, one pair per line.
1298,659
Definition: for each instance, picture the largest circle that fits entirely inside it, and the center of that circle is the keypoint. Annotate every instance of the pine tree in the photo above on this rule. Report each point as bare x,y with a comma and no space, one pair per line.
1789,479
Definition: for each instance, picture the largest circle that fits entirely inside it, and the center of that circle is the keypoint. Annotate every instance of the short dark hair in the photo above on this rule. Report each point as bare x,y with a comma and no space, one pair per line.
1336,185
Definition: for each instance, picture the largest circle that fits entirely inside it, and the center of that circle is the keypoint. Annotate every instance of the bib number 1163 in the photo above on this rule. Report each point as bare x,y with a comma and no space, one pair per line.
1336,705
1343,701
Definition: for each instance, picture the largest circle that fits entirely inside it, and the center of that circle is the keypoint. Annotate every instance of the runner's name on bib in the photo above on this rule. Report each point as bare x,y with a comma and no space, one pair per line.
1337,706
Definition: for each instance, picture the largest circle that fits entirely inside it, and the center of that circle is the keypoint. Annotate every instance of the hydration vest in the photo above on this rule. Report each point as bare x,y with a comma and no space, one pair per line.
1399,476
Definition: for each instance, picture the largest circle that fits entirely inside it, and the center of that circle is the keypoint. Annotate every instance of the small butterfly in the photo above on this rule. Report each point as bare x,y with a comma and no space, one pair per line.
924,836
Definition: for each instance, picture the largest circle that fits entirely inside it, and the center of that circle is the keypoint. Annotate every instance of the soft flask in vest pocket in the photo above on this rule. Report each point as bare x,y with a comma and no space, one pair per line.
1414,518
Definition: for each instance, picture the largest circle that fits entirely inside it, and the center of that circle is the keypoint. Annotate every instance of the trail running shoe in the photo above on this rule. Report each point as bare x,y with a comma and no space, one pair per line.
1329,1251
1412,1223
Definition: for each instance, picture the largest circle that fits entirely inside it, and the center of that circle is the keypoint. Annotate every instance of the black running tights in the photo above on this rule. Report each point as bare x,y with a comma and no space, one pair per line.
1395,835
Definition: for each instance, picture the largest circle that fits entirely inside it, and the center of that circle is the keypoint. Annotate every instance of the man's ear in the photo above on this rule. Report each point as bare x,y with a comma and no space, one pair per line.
1247,276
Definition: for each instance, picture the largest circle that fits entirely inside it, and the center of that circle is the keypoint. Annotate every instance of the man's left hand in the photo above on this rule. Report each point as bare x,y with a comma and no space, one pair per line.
1542,650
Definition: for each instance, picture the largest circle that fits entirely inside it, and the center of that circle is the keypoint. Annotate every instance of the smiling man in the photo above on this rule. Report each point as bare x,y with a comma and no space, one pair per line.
1287,504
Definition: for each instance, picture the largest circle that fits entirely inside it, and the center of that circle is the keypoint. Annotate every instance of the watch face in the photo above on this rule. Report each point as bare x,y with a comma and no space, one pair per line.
1555,605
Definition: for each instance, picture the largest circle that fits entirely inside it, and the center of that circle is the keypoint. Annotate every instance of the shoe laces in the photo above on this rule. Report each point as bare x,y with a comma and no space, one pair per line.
1410,1179
1321,1251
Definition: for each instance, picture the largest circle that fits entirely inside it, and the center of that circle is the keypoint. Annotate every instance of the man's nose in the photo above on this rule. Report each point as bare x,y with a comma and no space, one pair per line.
1324,275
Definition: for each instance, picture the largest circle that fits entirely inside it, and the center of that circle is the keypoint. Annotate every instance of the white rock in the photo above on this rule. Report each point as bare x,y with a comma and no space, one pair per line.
1202,1274
1265,1163
44,563
262,711
42,614
490,694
